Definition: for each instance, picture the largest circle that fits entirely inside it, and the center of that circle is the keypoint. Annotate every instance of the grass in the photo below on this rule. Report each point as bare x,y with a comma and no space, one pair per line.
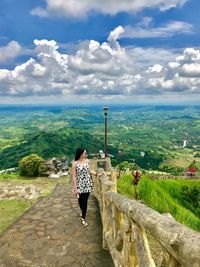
6,176
46,184
163,196
10,210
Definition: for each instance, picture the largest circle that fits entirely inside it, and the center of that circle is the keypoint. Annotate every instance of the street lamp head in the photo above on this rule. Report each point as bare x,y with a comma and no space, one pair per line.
105,110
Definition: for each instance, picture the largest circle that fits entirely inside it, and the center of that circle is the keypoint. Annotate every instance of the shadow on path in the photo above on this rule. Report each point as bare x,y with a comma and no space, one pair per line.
50,234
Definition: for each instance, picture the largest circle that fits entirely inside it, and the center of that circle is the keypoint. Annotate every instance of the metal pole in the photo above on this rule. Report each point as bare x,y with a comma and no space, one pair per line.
105,144
106,130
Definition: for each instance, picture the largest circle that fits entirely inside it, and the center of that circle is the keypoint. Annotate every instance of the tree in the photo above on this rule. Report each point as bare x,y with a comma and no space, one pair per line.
123,166
173,170
31,165
114,162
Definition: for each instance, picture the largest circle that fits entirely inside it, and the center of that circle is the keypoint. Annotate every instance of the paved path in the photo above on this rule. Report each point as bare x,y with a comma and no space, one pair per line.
50,234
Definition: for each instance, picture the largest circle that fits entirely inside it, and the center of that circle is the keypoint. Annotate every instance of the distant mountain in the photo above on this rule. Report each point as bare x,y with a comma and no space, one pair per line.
50,144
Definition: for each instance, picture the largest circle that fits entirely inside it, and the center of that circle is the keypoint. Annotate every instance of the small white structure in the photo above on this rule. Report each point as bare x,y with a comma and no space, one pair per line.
8,171
101,154
58,175
184,143
142,154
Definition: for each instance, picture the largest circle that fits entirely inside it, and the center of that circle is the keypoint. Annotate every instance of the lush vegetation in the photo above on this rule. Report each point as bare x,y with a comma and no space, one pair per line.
31,166
167,196
47,145
151,137
191,198
164,138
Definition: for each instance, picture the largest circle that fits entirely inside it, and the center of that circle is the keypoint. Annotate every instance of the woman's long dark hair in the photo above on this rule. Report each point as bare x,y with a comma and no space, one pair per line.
79,152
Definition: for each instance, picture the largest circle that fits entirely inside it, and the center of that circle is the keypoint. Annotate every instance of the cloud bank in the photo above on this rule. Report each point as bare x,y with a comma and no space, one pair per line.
77,9
145,31
9,52
103,70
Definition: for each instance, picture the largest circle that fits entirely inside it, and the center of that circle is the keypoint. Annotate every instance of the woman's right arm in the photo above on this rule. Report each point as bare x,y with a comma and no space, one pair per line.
74,178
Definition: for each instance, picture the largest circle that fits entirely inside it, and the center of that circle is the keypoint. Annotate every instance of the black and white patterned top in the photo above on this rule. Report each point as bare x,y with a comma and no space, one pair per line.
83,178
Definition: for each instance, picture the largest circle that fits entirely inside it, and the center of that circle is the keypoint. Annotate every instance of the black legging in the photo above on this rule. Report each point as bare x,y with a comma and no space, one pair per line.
82,200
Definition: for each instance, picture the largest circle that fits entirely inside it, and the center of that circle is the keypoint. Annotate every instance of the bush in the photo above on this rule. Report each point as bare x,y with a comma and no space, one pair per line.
31,165
173,170
125,165
114,162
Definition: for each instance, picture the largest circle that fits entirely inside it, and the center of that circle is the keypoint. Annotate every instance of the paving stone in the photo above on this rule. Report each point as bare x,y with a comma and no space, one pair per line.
18,235
50,234
27,227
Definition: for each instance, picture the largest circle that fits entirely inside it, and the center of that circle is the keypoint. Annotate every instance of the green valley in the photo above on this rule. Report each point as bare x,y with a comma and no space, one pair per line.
150,136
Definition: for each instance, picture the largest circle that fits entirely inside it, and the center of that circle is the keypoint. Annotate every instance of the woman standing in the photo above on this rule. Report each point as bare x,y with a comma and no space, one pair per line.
83,184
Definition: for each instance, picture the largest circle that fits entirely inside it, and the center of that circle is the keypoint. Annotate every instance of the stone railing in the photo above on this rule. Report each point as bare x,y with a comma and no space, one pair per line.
137,235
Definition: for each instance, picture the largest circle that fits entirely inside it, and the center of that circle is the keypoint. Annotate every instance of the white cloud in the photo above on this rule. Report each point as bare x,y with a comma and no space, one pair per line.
102,59
155,68
38,70
9,52
170,29
115,34
83,8
182,75
103,71
190,70
143,57
189,55
145,22
40,12
173,65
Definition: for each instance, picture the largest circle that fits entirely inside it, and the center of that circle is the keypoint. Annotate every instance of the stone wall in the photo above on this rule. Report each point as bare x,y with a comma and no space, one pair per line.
137,235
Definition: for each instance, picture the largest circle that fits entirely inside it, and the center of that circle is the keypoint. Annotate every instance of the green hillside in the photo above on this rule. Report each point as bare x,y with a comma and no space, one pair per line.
168,196
50,144
150,136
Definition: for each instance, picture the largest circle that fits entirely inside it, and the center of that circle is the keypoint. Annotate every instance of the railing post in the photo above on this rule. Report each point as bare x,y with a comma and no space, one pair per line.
139,237
107,186
113,176
129,253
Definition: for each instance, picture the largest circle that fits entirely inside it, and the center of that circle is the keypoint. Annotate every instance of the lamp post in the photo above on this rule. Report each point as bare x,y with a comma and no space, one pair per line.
105,110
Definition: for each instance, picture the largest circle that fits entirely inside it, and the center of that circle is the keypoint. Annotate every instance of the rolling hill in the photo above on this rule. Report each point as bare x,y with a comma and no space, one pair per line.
48,144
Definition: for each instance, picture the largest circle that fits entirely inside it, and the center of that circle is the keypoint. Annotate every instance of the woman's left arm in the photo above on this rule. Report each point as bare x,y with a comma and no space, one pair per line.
95,173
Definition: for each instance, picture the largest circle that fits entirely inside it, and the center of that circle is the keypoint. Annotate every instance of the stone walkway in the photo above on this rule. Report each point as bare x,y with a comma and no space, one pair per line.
50,234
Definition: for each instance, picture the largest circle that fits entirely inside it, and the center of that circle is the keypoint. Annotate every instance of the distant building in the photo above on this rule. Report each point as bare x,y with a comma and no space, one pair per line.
184,143
191,171
142,154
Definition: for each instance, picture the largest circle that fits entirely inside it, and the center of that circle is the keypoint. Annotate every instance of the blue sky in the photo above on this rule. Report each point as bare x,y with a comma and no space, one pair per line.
83,51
